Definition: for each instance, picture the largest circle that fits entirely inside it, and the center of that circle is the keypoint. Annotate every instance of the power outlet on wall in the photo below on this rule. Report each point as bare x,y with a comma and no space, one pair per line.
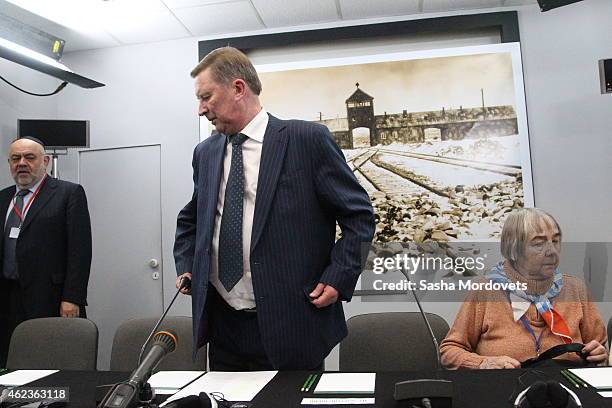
605,75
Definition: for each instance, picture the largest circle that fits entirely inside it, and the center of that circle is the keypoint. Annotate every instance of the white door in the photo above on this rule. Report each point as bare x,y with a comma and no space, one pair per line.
124,196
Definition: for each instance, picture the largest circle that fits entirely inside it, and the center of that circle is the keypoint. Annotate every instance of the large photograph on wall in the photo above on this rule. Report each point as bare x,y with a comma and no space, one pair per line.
437,138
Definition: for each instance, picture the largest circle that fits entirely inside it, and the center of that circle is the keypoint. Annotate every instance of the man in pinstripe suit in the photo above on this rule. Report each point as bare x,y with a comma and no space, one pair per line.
258,236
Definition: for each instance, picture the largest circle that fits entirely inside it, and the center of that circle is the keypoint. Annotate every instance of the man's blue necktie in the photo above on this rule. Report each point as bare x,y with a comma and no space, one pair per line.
230,236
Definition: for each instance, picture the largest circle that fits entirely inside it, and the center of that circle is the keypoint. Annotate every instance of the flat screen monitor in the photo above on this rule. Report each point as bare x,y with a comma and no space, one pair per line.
58,134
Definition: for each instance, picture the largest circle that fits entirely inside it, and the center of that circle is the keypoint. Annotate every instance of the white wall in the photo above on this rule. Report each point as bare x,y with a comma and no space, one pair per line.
148,98
570,122
17,105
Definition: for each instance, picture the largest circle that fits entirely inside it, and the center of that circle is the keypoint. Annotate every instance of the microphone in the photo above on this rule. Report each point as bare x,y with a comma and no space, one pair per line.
425,319
423,389
191,401
128,393
164,343
185,284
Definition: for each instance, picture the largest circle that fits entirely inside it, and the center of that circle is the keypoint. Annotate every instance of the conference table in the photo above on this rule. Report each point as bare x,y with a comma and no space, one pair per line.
472,388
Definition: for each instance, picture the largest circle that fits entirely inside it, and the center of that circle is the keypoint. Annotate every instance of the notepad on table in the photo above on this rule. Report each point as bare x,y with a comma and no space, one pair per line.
169,382
597,377
346,383
234,386
22,377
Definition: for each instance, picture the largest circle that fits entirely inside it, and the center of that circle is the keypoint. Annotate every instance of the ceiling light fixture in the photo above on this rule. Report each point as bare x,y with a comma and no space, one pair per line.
33,48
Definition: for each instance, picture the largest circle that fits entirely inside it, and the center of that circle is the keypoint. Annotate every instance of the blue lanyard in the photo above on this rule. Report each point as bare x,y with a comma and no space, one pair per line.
538,339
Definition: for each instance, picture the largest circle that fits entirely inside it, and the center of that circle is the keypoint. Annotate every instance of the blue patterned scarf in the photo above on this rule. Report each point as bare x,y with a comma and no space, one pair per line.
541,302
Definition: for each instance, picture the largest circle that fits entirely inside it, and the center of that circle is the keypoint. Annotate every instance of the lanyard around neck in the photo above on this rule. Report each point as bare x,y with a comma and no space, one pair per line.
21,213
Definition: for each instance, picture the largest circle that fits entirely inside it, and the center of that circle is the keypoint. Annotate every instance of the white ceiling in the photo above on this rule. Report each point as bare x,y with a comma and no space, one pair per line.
88,24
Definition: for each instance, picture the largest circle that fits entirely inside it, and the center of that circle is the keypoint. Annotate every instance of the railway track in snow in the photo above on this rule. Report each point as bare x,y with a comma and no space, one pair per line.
358,162
505,169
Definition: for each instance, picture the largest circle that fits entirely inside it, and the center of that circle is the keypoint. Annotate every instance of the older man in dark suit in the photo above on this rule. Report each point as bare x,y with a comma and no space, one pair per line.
258,236
45,251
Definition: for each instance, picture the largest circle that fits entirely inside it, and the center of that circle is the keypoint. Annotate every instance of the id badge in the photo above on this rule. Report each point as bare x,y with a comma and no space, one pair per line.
14,232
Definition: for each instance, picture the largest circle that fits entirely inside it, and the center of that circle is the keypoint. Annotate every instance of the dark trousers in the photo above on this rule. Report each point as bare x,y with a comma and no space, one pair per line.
12,313
234,339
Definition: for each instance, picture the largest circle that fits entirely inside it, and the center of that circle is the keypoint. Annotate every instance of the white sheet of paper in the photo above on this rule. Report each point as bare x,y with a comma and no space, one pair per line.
598,377
338,401
22,377
169,382
606,394
346,383
235,386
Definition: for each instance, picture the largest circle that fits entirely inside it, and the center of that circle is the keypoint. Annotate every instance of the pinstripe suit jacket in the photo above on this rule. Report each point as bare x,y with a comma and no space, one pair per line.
304,187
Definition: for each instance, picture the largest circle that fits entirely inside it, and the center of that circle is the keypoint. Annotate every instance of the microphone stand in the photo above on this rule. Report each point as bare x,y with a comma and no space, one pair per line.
145,394
185,284
424,389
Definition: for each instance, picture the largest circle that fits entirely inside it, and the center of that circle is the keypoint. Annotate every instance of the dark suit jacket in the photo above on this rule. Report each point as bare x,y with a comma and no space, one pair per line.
304,187
53,248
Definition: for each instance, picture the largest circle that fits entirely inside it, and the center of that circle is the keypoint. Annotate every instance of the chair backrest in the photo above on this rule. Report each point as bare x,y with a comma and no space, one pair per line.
131,335
54,343
393,341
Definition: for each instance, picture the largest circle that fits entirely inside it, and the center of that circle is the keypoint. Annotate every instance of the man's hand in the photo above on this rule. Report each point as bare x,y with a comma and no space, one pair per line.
499,362
184,291
596,353
323,295
68,309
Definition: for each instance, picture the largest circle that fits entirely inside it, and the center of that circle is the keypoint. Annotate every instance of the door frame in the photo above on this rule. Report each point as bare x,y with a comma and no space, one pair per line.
161,224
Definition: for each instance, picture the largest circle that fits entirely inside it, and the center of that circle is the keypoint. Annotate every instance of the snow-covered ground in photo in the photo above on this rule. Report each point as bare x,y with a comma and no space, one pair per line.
369,188
352,155
475,212
445,175
496,149
391,183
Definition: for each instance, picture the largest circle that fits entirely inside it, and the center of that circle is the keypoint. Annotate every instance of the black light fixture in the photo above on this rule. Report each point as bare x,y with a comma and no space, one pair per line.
33,48
546,5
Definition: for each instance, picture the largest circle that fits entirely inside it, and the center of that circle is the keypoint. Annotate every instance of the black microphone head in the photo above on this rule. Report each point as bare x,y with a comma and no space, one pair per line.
537,395
557,395
167,339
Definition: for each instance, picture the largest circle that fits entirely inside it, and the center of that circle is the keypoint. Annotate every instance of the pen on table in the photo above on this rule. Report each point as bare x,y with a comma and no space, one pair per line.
576,378
312,381
306,382
569,378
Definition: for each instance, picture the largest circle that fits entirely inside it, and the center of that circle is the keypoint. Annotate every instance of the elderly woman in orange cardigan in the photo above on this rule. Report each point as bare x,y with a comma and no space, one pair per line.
500,329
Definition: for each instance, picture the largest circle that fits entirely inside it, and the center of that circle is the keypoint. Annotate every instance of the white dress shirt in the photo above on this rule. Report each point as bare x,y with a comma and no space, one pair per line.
241,296
26,200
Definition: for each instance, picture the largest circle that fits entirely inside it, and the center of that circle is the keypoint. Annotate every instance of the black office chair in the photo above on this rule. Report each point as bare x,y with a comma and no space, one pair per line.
131,335
54,343
393,341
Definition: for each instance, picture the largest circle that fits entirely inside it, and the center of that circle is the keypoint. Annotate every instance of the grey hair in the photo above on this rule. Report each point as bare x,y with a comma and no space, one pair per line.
227,64
516,231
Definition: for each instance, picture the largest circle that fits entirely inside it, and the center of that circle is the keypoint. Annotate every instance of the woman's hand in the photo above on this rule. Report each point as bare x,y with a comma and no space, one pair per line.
596,353
499,362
